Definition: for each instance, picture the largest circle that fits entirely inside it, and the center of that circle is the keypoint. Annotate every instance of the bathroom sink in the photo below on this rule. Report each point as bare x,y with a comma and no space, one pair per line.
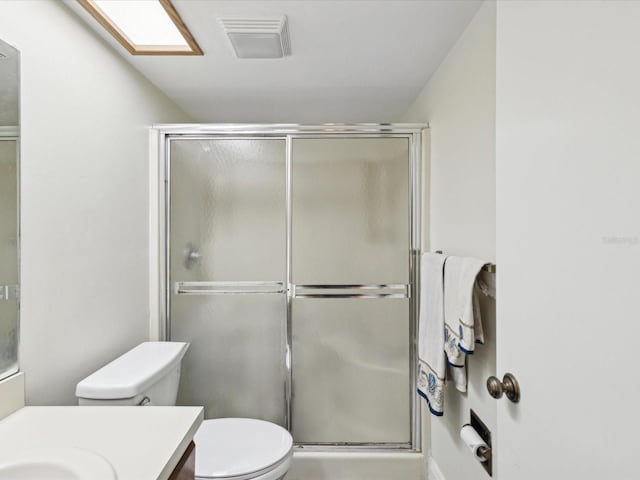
55,464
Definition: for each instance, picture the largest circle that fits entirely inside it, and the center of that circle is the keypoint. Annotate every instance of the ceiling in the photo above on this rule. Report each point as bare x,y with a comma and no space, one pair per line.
352,60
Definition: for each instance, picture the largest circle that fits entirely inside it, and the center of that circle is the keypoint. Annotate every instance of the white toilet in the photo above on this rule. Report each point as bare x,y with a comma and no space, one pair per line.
226,448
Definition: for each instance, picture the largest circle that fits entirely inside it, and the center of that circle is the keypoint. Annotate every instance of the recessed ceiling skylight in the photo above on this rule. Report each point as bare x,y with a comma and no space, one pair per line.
144,27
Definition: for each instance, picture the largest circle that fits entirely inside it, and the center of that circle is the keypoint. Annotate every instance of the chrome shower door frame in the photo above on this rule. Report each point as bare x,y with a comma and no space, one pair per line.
289,132
12,292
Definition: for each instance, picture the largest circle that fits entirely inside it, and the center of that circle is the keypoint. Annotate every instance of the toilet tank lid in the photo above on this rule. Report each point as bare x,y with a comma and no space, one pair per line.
133,372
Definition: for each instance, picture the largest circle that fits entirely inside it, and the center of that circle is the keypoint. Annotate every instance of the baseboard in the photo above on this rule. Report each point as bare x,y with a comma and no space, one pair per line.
433,471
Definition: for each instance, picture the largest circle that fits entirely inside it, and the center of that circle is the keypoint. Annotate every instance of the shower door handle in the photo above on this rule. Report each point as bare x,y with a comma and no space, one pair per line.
228,288
351,291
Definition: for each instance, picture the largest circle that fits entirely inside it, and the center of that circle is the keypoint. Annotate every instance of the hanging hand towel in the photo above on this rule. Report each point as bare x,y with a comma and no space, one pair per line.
432,364
486,282
463,325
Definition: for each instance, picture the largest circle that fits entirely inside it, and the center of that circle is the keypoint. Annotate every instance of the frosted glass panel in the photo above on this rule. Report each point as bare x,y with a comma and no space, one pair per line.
235,364
350,210
351,371
8,257
227,224
228,206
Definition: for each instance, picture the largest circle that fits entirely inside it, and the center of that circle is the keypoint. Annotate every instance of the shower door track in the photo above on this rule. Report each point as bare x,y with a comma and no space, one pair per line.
289,132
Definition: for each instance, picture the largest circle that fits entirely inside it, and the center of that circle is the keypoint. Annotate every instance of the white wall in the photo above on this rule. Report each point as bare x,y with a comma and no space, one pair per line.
85,114
568,203
459,104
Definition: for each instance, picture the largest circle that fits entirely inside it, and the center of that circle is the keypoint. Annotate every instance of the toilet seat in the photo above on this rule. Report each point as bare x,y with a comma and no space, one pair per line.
241,449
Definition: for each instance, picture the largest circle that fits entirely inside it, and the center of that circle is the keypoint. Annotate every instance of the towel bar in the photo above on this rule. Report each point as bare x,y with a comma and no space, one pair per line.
228,288
352,291
489,267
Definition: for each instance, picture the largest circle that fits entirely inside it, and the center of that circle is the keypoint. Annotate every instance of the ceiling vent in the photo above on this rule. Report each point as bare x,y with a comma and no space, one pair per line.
258,37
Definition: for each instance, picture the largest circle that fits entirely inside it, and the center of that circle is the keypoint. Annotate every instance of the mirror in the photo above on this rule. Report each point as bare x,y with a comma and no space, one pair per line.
9,207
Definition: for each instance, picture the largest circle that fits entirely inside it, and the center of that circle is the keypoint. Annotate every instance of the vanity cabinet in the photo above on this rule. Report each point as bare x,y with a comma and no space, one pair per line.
186,468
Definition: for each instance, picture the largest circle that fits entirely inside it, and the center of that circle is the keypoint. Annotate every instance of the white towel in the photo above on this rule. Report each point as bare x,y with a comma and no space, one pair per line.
432,363
463,325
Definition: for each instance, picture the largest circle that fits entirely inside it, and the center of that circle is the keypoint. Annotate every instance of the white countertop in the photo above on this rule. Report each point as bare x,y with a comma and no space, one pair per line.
142,443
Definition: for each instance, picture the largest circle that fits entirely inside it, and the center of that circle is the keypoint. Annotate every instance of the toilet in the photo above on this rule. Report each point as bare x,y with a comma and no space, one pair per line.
226,448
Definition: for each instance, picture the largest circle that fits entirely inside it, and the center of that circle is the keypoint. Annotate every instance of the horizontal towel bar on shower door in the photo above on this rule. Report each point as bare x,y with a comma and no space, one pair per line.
227,288
351,291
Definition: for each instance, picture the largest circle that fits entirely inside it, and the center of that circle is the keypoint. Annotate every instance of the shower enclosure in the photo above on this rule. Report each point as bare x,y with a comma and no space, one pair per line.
290,265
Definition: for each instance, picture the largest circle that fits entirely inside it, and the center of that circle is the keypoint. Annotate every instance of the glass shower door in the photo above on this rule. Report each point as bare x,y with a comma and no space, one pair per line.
350,279
227,273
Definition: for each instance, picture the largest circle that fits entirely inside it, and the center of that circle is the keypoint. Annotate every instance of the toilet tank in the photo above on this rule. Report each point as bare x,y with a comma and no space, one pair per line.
149,374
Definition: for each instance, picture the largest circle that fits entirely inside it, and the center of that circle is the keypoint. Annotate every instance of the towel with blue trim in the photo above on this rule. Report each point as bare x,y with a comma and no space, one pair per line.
462,321
431,358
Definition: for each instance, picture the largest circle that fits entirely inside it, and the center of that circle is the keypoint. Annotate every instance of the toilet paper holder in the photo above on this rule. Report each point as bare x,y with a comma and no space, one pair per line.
483,452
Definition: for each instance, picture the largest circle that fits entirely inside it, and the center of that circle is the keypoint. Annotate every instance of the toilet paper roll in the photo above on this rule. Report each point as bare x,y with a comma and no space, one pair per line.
473,440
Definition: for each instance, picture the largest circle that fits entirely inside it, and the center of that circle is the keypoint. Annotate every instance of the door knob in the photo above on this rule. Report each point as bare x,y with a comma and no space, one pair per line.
509,386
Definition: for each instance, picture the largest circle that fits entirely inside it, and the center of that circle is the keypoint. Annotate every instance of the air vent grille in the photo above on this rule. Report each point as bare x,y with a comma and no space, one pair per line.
258,37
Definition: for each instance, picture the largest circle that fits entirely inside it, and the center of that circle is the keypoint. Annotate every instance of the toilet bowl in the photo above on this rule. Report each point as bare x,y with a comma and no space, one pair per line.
226,448
242,449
